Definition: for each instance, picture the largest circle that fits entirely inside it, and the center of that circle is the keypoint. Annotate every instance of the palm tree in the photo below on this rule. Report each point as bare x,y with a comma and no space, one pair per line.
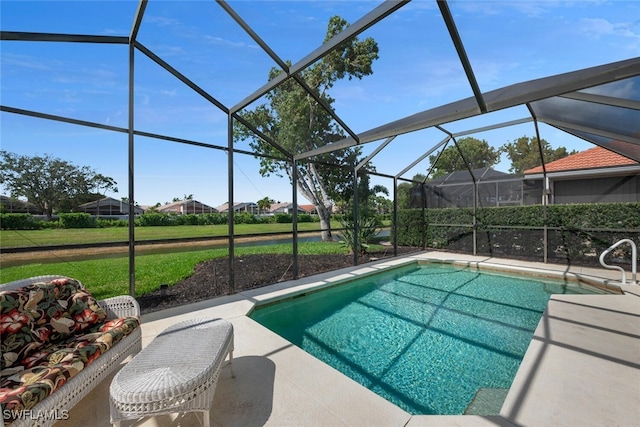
264,204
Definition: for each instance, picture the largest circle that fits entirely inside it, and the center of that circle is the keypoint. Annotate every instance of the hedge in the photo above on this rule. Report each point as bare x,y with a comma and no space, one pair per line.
575,233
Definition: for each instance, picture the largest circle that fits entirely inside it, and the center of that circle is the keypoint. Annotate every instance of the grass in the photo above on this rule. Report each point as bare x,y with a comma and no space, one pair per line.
108,277
22,238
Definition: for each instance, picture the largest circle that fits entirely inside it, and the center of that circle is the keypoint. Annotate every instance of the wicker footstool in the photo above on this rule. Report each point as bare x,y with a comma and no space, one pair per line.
177,372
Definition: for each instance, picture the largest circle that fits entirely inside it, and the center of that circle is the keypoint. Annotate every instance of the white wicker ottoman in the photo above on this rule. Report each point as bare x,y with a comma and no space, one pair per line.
177,372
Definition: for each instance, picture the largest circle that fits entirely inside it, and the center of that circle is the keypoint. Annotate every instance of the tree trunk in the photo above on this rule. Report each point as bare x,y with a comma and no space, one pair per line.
324,213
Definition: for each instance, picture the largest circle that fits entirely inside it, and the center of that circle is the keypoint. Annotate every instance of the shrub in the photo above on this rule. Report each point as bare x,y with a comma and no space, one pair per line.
245,218
305,218
154,219
568,233
18,221
283,218
76,220
368,228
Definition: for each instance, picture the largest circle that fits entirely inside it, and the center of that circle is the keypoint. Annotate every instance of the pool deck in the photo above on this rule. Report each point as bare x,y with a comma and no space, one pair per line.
582,367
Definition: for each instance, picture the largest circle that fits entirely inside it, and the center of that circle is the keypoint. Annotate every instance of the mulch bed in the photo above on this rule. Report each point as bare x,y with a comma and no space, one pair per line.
211,278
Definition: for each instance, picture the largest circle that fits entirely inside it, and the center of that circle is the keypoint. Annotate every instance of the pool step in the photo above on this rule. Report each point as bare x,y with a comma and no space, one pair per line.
487,401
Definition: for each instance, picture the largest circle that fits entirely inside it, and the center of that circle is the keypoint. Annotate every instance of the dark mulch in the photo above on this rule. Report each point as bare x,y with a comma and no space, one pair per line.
211,278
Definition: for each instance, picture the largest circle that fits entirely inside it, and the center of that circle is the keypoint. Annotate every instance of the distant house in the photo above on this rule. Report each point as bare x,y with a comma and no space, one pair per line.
596,175
108,206
12,205
286,208
238,207
184,207
309,209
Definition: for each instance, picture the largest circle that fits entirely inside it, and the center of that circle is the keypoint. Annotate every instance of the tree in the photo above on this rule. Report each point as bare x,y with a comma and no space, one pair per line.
476,152
404,191
264,204
185,197
524,153
48,182
295,121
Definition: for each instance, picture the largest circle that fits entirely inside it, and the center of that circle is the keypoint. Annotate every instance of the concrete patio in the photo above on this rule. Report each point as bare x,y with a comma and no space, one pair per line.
582,367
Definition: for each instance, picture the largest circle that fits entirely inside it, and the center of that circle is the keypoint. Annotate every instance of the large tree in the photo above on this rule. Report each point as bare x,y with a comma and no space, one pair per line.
404,190
297,123
524,153
50,183
478,153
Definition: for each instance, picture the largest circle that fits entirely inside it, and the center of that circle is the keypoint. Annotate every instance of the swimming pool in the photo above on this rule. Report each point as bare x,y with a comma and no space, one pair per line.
432,339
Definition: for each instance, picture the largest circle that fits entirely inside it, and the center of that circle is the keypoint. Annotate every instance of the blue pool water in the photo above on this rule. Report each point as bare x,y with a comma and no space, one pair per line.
426,337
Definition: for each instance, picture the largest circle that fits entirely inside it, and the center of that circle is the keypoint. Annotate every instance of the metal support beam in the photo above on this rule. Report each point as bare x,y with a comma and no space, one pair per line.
70,38
545,189
131,176
232,274
462,54
493,127
294,179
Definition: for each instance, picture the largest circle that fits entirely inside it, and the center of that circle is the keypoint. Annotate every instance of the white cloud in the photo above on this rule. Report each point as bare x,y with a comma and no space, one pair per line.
230,43
599,27
24,62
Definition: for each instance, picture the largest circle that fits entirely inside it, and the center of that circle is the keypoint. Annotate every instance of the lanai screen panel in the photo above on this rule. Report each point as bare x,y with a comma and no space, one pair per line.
607,115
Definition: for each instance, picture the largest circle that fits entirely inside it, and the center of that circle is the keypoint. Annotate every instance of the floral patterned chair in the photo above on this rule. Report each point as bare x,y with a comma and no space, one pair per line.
58,342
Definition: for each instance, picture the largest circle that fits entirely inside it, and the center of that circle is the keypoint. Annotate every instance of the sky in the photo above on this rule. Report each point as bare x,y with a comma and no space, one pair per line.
418,69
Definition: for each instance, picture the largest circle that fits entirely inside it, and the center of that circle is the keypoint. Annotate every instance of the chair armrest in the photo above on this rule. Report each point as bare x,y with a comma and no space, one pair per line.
120,306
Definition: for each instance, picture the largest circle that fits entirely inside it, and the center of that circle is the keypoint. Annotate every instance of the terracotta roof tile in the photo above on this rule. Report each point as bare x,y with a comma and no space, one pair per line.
592,158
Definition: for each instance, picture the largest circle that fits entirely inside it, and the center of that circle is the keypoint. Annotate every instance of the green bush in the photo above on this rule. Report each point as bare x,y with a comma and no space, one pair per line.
245,218
18,221
574,233
305,218
212,219
410,230
76,220
154,219
188,219
282,218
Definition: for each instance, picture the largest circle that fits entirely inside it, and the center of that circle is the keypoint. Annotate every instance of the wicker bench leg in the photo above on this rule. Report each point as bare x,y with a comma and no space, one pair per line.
230,362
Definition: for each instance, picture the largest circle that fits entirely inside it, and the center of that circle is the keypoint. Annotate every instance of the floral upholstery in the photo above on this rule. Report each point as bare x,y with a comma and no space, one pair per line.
48,333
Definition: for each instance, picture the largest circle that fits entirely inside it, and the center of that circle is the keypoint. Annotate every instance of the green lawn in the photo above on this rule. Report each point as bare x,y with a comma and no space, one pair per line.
108,277
22,238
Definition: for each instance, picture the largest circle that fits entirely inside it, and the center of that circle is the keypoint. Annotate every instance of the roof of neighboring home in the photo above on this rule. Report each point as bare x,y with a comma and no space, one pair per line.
593,158
307,208
179,203
275,206
286,205
236,205
109,201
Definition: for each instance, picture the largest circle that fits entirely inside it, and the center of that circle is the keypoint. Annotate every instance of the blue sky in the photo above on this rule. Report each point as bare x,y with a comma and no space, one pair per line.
418,69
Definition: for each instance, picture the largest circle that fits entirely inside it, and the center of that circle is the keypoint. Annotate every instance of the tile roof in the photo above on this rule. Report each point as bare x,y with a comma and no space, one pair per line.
592,158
